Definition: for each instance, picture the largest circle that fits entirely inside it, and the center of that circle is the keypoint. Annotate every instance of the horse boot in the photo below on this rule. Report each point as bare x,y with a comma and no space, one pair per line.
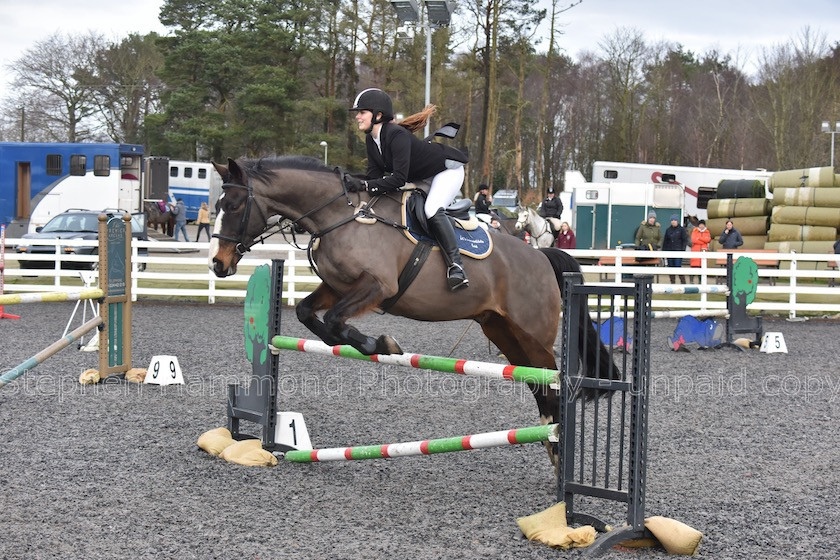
440,226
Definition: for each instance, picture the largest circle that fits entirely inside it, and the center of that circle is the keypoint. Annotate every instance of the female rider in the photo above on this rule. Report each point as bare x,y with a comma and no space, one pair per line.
396,157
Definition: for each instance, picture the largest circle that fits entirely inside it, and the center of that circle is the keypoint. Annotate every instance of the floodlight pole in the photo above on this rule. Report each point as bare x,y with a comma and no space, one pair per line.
429,79
437,13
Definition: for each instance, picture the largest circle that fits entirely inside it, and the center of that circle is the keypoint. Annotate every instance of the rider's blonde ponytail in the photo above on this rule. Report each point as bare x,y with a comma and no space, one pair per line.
418,120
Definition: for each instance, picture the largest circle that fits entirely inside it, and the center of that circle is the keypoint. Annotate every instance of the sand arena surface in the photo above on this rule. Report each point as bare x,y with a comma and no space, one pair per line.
743,447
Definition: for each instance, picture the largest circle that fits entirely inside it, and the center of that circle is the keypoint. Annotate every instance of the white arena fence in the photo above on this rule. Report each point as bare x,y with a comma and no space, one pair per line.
797,284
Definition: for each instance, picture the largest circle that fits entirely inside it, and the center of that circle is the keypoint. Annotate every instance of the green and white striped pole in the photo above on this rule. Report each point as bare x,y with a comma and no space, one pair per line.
540,376
532,434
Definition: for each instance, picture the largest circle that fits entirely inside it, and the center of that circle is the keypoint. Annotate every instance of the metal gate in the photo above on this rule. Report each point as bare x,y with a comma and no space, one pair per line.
604,439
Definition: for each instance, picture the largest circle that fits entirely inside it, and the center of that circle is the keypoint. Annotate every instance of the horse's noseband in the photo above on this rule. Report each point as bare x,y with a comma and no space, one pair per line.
241,248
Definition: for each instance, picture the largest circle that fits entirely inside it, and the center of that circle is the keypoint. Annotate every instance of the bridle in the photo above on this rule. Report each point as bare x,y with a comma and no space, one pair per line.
527,219
242,247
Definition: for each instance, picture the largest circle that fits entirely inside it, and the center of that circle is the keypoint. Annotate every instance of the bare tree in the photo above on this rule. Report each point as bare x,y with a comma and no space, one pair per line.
56,78
794,89
626,56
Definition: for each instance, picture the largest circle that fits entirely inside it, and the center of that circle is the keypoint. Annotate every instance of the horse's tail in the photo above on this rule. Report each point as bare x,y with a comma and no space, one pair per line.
596,352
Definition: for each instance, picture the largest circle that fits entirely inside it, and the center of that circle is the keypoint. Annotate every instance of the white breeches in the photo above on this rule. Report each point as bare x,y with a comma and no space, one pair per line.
446,185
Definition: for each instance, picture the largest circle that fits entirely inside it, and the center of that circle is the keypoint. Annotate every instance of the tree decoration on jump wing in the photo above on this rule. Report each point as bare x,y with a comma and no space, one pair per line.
257,302
744,281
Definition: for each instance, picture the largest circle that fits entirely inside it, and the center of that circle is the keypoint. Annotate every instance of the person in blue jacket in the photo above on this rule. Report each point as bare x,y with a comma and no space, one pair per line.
731,237
676,239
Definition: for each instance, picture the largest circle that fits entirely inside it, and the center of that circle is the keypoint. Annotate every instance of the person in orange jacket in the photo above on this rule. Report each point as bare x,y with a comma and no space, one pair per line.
700,239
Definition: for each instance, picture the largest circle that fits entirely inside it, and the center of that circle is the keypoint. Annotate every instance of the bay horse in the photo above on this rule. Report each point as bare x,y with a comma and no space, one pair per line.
155,217
514,293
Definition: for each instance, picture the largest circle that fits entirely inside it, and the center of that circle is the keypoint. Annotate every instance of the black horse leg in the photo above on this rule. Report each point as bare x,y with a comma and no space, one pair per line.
364,295
322,298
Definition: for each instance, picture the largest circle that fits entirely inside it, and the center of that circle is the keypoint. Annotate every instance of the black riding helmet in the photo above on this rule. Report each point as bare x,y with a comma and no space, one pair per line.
376,101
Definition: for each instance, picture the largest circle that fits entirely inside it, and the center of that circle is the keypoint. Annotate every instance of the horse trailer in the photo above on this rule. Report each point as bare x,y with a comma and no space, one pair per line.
699,183
608,214
41,180
194,182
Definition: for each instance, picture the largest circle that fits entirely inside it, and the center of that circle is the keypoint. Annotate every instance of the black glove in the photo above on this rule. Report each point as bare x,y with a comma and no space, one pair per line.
375,190
354,184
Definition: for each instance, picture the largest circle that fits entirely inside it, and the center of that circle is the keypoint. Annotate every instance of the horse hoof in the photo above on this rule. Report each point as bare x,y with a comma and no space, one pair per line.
387,345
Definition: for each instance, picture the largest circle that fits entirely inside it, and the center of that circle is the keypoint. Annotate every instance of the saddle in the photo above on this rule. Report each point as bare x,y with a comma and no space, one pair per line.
458,211
473,240
555,224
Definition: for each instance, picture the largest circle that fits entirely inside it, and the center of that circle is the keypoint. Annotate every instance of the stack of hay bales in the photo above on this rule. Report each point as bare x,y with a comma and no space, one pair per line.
806,211
745,202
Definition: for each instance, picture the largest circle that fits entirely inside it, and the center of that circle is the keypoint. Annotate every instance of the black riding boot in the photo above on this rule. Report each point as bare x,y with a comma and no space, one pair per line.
441,228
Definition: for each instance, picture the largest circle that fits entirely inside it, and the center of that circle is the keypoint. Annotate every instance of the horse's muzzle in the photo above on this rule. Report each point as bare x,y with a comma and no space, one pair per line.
224,260
223,270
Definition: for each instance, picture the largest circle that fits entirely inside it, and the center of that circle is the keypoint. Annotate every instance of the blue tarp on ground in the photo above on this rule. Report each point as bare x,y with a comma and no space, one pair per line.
611,332
707,333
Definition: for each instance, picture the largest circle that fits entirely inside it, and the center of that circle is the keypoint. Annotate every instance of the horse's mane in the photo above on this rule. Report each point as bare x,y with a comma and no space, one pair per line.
260,168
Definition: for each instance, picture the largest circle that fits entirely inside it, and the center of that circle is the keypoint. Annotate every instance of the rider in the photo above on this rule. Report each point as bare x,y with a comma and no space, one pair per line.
551,207
396,157
482,202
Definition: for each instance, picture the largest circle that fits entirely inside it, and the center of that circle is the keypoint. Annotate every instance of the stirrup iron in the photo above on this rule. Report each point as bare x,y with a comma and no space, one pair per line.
456,278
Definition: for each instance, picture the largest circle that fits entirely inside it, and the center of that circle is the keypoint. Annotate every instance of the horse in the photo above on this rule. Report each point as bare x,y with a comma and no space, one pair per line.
154,217
509,295
539,228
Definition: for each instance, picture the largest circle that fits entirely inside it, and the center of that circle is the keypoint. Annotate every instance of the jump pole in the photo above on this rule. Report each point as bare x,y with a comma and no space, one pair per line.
50,350
540,376
51,297
533,434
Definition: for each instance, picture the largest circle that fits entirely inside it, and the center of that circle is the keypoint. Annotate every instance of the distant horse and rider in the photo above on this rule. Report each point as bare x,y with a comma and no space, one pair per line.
543,232
158,214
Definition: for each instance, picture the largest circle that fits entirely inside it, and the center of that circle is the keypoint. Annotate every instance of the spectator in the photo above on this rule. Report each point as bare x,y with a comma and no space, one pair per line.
649,234
203,221
551,207
566,237
731,237
180,212
700,239
676,239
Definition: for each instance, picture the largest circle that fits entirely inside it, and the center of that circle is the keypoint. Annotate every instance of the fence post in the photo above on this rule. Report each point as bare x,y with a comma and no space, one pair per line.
135,268
704,263
618,275
290,277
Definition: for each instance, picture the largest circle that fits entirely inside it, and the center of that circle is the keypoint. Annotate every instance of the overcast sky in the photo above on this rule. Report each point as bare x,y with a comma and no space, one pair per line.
740,28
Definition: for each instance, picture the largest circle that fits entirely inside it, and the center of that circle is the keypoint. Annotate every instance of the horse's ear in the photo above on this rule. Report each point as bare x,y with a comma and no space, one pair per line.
236,173
222,170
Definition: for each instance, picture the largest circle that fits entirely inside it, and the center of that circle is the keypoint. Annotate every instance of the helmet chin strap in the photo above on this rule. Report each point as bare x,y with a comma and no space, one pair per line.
374,121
